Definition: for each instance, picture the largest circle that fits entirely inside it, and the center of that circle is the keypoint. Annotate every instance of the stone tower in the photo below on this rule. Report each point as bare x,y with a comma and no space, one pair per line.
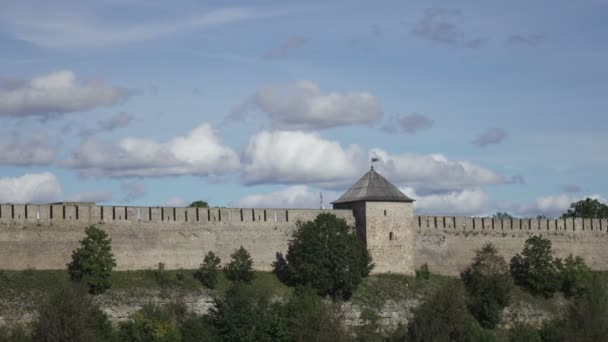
384,218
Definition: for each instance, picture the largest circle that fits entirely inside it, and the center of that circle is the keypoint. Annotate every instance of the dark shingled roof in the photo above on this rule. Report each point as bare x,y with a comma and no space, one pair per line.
373,187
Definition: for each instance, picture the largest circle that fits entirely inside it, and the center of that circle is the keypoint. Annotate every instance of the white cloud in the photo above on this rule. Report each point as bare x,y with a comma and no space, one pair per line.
550,206
56,93
297,196
464,202
133,190
197,153
302,105
409,124
71,29
34,151
290,157
174,202
434,171
30,188
492,136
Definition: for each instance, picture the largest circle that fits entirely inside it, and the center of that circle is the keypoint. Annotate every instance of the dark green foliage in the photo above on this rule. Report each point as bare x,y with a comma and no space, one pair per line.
209,270
488,284
474,332
536,269
575,275
500,215
587,318
369,331
587,208
552,331
199,204
309,319
153,323
327,255
196,328
93,261
240,267
279,267
70,315
245,315
522,332
14,334
442,317
423,272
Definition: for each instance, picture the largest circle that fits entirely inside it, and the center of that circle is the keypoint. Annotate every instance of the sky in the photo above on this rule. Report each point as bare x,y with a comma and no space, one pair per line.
471,107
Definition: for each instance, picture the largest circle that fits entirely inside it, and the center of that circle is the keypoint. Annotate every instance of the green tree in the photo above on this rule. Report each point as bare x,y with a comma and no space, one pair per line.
240,267
501,215
93,261
587,208
575,276
442,317
488,284
150,324
536,269
209,270
199,204
587,318
327,255
69,314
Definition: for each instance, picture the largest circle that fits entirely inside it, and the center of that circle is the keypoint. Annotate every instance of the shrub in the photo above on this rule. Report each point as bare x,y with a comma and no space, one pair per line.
93,262
14,334
587,318
442,317
70,315
575,275
488,284
536,269
208,271
327,255
523,332
423,272
240,267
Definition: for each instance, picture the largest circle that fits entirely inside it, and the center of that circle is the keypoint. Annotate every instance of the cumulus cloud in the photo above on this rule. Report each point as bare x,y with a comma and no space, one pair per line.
434,172
444,26
286,48
302,105
175,202
550,206
133,190
289,157
530,39
90,196
30,188
119,120
297,196
296,157
409,124
462,202
72,29
492,136
56,93
33,151
199,153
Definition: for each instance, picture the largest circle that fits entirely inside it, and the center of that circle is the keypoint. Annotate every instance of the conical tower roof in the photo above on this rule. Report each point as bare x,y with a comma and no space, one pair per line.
373,187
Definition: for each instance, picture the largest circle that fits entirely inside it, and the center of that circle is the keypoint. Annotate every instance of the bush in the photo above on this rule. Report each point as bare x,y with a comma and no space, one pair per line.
14,334
240,267
575,275
70,315
93,262
442,317
208,271
488,284
423,272
536,269
587,318
523,332
327,255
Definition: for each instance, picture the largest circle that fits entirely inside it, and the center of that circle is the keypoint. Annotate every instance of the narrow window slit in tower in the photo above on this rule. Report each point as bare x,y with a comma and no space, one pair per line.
385,212
63,211
253,215
241,215
150,214
113,213
219,214
197,215
419,221
162,214
12,211
51,212
26,211
287,215
390,236
186,215
174,214
126,214
264,215
77,216
209,215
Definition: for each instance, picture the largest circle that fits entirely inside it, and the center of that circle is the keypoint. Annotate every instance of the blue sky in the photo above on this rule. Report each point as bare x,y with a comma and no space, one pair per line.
472,107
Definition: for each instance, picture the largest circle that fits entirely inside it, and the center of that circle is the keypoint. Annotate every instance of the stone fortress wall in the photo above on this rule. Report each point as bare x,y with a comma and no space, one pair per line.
44,236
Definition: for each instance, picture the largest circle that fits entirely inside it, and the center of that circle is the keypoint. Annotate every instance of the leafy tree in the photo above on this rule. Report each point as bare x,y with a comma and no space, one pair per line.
536,269
240,267
587,318
575,276
93,262
199,204
489,285
69,314
501,215
442,317
327,255
423,272
143,328
587,208
209,269
524,332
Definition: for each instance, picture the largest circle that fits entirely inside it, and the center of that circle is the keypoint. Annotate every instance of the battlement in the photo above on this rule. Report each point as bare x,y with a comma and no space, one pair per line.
89,213
461,223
